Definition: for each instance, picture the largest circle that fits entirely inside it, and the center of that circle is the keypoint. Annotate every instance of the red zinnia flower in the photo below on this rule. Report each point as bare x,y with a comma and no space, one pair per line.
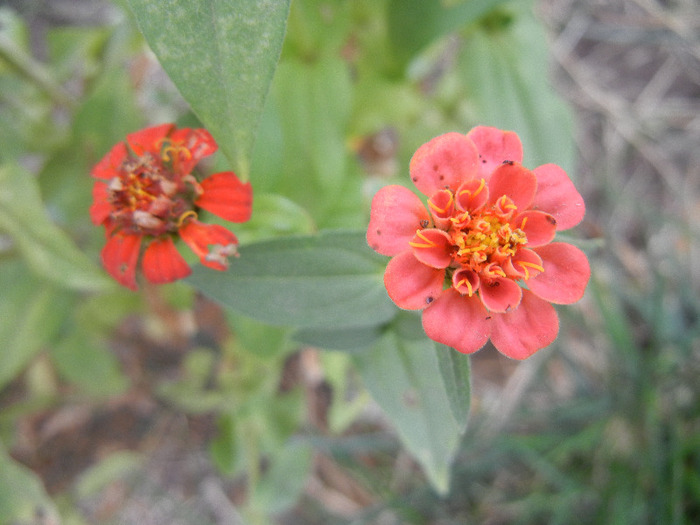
145,193
480,261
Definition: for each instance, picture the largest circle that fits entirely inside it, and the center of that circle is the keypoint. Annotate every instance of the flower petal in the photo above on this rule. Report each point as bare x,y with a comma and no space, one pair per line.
443,162
458,321
565,276
119,257
432,247
521,332
411,284
558,196
149,139
162,263
495,146
199,144
101,207
525,264
539,227
515,182
396,214
212,243
500,294
442,205
109,166
226,196
472,195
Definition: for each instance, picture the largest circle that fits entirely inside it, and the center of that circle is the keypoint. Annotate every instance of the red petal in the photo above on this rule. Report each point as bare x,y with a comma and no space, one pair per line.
411,284
396,214
212,243
432,247
539,227
500,294
198,142
109,166
442,205
162,263
515,182
149,139
565,276
520,333
458,321
100,208
443,162
557,196
472,195
495,146
119,257
226,196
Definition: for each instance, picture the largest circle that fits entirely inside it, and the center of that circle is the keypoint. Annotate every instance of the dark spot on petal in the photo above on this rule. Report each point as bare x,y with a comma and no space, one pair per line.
414,179
442,177
424,223
379,232
435,167
509,162
483,161
551,220
494,284
429,300
488,317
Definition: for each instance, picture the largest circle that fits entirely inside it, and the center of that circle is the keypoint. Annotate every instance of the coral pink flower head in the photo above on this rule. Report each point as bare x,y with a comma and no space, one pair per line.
145,195
480,261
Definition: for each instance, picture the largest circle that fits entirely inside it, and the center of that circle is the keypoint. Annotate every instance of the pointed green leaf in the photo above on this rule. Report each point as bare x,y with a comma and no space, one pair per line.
45,247
413,24
332,280
221,54
455,371
404,378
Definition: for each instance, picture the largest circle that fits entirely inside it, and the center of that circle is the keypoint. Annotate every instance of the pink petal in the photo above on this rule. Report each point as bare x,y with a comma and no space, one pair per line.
432,247
515,182
525,264
495,146
396,214
443,162
149,139
223,194
500,294
565,276
442,205
472,195
539,227
411,284
466,281
110,164
520,333
557,196
119,257
162,263
458,321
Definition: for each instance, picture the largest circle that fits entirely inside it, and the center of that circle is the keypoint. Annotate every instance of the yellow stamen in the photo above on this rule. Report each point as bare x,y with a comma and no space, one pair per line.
440,210
429,243
470,289
525,264
182,218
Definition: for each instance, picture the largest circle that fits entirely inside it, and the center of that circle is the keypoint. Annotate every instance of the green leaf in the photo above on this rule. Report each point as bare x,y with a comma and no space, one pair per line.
221,54
22,497
413,24
404,378
45,247
30,315
506,71
455,371
332,280
355,338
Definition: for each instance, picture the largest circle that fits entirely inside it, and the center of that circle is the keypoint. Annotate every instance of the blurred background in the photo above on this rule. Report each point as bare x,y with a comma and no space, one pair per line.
161,408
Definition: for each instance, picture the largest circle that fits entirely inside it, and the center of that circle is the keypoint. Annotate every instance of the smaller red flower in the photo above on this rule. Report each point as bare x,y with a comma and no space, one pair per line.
145,195
480,261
